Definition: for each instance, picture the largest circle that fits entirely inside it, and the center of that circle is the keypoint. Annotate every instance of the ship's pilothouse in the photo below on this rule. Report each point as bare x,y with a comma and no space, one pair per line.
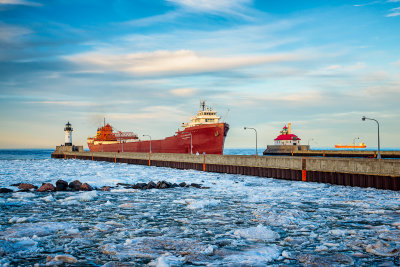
204,116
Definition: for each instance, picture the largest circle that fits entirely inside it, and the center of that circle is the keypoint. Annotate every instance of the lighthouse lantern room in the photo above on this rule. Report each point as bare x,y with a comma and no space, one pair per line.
68,134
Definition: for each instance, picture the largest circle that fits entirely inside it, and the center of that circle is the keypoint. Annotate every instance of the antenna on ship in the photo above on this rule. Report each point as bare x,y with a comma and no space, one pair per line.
226,115
203,104
104,121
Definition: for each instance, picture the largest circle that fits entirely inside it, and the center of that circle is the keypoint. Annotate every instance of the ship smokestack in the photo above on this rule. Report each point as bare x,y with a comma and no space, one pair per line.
289,128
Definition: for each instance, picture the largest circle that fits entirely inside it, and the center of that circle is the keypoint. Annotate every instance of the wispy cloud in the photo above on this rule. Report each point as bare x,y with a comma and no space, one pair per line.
211,5
65,103
11,33
231,7
19,2
172,62
394,12
369,3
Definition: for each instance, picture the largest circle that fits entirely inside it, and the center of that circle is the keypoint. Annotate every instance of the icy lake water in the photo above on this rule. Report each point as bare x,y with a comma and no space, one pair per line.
239,221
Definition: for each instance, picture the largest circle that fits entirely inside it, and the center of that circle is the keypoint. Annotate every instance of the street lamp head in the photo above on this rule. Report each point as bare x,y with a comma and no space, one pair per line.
363,118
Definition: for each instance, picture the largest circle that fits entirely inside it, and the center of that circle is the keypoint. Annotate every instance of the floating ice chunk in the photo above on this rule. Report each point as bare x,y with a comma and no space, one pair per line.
321,248
287,255
123,190
87,196
375,211
18,220
167,260
72,231
257,233
327,244
201,204
126,205
65,259
102,227
49,198
382,249
128,242
209,250
117,224
338,232
23,195
69,202
255,257
179,201
84,197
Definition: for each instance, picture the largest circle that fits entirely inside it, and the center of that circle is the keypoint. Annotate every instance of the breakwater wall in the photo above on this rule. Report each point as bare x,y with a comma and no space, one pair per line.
333,153
361,172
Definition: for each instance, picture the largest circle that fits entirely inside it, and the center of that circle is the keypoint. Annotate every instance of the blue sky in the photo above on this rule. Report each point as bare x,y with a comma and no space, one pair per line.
145,65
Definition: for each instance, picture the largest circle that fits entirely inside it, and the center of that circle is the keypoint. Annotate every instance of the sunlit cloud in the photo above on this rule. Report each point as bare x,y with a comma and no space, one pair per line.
151,112
183,91
173,62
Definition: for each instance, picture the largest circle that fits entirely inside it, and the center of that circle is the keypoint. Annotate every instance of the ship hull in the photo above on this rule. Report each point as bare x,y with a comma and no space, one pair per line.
206,138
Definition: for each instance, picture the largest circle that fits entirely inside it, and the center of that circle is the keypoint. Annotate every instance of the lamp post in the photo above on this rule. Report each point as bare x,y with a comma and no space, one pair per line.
379,144
150,140
256,137
354,143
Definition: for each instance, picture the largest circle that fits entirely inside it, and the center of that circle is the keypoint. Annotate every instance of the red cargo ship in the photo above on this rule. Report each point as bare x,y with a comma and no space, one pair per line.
203,134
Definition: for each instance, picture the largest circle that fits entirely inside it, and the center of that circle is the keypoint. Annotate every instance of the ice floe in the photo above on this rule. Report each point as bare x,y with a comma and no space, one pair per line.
239,220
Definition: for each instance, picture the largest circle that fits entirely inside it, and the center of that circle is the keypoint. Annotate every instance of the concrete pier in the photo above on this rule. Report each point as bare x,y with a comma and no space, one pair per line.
291,151
361,172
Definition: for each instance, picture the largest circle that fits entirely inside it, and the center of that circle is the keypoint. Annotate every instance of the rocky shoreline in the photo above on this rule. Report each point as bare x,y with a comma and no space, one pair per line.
76,185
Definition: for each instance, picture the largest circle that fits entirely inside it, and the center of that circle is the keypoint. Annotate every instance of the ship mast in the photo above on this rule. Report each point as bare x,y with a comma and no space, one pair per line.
203,104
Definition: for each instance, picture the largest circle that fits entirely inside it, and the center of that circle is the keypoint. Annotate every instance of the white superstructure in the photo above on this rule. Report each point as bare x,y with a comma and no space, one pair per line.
204,116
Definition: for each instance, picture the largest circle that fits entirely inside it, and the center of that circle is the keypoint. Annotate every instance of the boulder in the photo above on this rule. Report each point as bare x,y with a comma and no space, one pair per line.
163,185
85,187
174,185
5,190
123,184
151,185
105,188
195,185
17,184
183,184
26,187
61,185
139,186
47,187
75,185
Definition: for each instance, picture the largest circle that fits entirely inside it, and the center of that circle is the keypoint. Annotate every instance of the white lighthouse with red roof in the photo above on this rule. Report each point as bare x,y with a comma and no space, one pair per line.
286,138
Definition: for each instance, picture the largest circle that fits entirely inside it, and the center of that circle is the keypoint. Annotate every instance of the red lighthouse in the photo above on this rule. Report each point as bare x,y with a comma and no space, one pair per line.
286,138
